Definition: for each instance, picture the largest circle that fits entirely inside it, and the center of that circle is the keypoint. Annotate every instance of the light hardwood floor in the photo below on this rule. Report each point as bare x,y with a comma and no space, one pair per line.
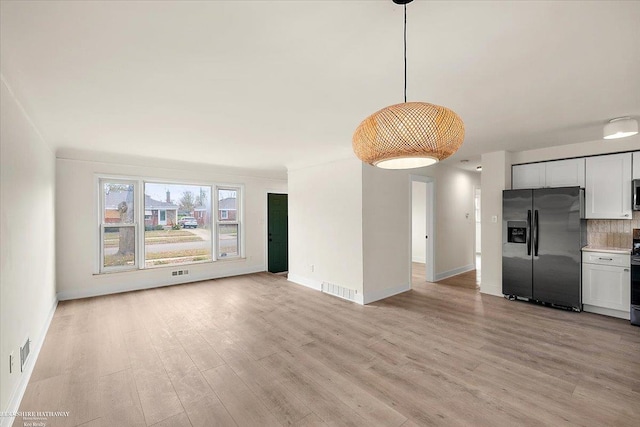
470,279
258,351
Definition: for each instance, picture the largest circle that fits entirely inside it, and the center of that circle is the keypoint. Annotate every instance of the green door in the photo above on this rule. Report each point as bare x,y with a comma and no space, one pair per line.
278,233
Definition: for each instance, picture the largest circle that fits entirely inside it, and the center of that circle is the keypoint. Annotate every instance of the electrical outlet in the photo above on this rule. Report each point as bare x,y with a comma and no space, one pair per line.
11,363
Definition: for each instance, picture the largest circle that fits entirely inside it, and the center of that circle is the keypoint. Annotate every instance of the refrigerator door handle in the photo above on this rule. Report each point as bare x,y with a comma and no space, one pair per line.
528,236
535,233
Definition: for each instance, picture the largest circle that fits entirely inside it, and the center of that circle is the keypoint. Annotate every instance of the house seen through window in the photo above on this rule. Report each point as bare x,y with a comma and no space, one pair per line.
172,233
228,223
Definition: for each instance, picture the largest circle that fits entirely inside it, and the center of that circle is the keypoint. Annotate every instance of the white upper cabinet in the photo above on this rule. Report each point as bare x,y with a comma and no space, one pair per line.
565,173
528,176
608,186
558,173
636,165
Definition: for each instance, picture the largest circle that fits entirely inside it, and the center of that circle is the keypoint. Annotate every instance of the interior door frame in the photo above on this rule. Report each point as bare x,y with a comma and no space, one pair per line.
266,223
430,221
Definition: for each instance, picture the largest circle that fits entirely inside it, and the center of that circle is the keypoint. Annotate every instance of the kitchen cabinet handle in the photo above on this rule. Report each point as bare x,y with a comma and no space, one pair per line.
626,269
606,259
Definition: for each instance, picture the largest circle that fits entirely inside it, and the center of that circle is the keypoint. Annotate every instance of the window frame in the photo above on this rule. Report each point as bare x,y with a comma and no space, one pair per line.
239,221
102,224
144,181
138,183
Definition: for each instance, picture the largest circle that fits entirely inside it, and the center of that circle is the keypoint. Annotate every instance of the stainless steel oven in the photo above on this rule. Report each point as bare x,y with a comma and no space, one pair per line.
635,184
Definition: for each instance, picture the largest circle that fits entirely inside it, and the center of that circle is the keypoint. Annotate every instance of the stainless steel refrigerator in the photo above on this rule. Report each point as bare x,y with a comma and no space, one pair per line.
543,233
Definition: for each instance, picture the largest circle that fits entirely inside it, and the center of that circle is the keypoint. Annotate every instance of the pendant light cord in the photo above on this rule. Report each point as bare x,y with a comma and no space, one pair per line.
405,53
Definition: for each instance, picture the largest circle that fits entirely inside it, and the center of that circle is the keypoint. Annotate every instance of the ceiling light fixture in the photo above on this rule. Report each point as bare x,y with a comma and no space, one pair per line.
408,135
620,128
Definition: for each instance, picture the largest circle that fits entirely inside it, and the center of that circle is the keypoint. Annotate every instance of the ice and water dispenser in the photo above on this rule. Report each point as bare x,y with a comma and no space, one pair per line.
517,232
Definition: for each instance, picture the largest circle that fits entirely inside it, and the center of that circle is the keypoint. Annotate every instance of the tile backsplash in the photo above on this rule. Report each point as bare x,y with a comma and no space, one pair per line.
615,233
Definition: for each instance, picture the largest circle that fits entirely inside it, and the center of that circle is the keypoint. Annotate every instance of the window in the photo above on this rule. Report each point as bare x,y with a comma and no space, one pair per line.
179,225
228,222
174,236
118,226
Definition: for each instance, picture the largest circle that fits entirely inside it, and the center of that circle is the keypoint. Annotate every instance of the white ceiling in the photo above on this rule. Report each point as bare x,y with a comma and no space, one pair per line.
277,84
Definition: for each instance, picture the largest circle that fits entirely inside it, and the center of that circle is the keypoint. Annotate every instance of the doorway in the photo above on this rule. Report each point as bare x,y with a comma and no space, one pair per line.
478,218
422,229
277,233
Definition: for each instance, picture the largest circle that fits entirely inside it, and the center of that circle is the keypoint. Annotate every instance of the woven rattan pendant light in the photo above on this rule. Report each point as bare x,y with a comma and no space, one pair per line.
408,135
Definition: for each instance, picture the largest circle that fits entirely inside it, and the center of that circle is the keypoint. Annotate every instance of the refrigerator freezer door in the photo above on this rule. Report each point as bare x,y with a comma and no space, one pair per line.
556,260
516,243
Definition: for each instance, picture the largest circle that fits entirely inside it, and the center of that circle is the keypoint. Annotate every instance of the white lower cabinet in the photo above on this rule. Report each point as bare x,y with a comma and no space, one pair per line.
606,287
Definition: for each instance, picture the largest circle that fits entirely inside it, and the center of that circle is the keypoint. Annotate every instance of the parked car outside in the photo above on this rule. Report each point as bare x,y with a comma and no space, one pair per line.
188,222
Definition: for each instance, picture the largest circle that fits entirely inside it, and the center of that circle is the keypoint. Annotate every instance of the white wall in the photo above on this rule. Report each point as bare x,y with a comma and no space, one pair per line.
325,225
352,223
418,221
496,177
454,232
77,223
478,223
27,244
386,236
455,251
387,215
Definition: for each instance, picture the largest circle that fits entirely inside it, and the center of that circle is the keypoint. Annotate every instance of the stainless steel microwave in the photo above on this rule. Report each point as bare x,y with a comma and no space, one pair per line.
635,184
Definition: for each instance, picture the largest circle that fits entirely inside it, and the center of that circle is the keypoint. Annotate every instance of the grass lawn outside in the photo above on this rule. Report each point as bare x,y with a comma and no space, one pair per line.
119,260
228,230
112,240
177,257
161,258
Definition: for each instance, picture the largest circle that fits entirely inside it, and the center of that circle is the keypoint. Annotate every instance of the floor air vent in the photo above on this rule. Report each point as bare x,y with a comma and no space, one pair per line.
339,291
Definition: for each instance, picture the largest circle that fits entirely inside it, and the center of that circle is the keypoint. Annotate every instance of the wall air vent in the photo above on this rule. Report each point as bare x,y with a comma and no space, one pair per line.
339,291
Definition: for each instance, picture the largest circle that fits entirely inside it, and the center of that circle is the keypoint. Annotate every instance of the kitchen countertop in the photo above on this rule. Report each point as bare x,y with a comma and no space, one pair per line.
593,248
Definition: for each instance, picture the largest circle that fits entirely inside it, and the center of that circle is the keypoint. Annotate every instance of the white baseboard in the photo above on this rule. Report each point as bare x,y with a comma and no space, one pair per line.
606,311
18,392
316,285
454,272
421,260
360,298
133,285
491,291
305,281
374,296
